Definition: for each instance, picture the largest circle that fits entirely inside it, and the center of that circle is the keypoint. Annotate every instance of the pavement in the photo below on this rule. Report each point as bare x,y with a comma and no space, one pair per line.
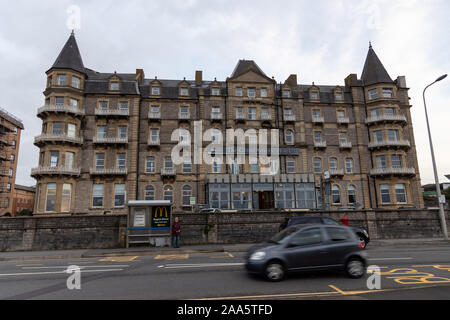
210,248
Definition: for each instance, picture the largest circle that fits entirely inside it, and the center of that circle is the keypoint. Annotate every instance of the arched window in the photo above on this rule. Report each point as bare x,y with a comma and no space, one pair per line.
149,193
289,137
168,193
187,193
351,194
336,193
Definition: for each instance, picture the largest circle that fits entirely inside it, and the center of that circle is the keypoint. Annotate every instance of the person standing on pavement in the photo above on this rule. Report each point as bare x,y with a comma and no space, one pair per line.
176,230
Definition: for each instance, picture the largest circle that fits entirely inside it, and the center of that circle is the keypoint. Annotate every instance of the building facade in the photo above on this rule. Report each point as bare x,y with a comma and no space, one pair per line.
107,139
10,131
23,199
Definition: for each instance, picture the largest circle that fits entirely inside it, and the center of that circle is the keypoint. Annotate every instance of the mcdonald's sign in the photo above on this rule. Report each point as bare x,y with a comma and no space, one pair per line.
161,217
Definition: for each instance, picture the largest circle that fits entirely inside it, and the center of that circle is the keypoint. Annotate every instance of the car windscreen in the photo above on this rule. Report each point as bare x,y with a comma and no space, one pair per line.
283,235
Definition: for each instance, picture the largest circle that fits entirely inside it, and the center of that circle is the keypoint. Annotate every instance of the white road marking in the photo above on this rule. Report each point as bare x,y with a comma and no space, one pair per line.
200,265
54,272
81,267
385,259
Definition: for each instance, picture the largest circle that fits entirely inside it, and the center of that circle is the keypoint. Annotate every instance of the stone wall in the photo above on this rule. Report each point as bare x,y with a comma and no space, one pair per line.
89,232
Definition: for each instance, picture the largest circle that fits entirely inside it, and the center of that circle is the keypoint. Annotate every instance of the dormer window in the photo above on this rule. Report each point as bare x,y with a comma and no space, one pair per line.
314,95
339,96
286,93
76,82
215,91
251,92
387,93
373,94
61,80
184,91
155,91
114,86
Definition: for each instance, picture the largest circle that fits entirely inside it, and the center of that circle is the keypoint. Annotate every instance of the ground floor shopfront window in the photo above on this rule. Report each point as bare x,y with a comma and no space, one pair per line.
262,196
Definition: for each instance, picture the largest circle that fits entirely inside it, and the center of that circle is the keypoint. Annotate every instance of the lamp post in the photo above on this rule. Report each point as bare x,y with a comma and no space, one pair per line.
438,187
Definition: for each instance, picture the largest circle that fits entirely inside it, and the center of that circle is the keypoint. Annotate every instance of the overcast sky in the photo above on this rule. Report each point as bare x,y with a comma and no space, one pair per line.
320,41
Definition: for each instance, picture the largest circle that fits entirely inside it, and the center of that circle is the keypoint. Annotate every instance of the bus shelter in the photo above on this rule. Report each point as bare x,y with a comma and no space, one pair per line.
149,222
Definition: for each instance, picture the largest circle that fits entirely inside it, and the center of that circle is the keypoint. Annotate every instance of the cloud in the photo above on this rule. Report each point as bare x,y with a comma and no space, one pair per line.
321,41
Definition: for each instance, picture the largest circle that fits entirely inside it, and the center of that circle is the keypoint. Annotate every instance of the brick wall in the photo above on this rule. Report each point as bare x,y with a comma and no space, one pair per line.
89,232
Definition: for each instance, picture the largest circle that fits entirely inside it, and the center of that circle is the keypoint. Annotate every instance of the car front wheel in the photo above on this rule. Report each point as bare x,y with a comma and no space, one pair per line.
274,272
355,268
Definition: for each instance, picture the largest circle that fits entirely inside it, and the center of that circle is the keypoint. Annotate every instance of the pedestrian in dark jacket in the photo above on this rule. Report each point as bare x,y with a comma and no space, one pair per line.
176,230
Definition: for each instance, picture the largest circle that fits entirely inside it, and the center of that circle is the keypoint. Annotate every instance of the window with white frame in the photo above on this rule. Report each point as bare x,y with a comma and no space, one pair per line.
103,105
252,113
187,165
119,195
150,165
314,95
317,137
339,96
349,165
336,194
155,91
57,128
71,130
121,162
59,101
168,193
184,91
290,165
378,136
187,194
100,161
149,193
393,135
251,92
263,92
216,165
51,197
400,193
54,159
351,194
289,137
70,160
124,105
239,92
215,91
373,94
61,80
286,93
76,82
388,93
396,161
168,164
389,111
114,86
122,132
101,132
333,162
385,193
381,162
317,165
154,135
97,195
66,197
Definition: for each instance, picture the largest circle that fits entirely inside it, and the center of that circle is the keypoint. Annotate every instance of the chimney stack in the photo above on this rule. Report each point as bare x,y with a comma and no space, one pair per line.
198,78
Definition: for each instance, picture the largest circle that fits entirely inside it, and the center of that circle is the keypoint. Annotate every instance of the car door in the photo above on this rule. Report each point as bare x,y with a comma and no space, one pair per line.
338,244
304,250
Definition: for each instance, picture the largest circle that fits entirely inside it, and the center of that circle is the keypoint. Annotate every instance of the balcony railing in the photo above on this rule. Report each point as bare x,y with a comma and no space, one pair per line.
110,140
60,108
336,172
386,118
266,117
184,115
61,170
345,145
216,116
393,171
290,118
320,144
343,120
57,138
240,116
168,172
317,119
154,115
154,142
112,112
108,172
390,144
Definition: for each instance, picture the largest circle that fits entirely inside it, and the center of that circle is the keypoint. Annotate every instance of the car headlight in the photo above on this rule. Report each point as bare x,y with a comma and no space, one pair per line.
258,256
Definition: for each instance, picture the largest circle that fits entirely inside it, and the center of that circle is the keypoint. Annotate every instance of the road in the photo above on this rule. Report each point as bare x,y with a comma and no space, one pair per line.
407,272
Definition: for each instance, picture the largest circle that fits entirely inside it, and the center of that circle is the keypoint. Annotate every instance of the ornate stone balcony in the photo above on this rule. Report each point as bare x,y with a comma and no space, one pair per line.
318,120
56,138
154,115
266,117
343,120
397,144
168,172
336,172
112,112
320,144
393,172
345,145
60,108
216,116
108,172
290,118
393,118
96,140
154,142
184,115
61,170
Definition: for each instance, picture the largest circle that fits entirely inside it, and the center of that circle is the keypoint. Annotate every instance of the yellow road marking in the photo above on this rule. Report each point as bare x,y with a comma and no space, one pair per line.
306,294
347,293
172,257
229,254
119,259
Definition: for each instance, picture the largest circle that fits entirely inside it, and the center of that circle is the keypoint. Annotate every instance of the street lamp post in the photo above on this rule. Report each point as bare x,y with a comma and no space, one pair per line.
436,177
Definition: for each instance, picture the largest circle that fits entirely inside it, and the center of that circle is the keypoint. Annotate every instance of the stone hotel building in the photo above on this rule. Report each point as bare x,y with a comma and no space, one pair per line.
106,140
